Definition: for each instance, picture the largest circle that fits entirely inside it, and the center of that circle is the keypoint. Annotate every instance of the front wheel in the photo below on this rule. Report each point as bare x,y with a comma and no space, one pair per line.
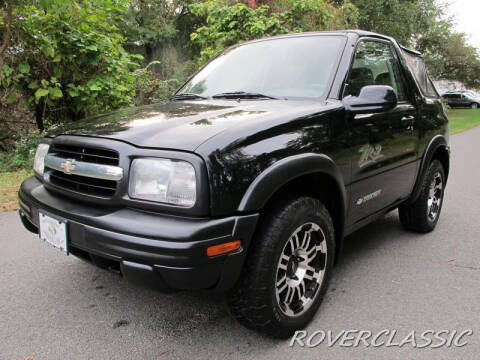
474,106
422,216
287,269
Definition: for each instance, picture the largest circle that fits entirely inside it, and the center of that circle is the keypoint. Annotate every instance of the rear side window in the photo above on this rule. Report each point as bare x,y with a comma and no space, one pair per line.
416,63
374,64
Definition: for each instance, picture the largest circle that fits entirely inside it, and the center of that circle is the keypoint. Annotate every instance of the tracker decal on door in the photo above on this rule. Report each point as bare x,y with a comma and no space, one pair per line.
369,197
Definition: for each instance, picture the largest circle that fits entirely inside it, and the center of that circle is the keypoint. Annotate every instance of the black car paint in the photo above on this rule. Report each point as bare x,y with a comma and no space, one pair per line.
152,249
246,150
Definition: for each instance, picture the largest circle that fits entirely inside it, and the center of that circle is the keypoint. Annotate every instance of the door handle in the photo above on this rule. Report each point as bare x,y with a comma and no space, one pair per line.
409,120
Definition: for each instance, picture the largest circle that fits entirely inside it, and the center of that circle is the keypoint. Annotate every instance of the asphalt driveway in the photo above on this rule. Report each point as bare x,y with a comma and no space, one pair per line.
58,307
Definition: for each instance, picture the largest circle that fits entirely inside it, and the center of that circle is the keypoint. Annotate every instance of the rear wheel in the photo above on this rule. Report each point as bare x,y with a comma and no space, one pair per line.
422,216
287,270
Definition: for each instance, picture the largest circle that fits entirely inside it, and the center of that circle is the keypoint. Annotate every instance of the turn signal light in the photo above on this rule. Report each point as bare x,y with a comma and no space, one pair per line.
224,248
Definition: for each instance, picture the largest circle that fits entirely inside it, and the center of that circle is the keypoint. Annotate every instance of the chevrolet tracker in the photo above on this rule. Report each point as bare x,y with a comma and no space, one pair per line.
248,179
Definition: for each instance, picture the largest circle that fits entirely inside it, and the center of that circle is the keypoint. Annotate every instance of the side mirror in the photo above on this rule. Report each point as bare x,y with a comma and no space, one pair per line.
372,99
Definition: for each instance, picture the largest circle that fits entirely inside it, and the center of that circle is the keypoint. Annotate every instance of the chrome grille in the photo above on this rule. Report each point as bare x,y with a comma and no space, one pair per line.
84,157
82,184
87,154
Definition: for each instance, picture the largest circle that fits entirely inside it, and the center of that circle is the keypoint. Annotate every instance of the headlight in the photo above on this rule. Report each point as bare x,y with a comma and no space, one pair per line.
163,180
39,162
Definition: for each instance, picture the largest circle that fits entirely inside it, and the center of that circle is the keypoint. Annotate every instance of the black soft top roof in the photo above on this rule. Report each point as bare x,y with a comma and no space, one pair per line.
360,33
416,63
412,52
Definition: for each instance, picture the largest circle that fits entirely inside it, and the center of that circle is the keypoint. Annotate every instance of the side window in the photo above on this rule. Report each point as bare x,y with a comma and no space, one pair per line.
374,64
416,63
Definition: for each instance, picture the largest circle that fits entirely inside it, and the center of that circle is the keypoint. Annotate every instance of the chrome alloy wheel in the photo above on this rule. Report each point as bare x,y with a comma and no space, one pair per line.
435,196
301,269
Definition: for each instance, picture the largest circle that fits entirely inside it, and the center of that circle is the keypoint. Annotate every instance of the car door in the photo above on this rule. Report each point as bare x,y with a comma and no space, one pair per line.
384,144
457,100
450,100
447,99
453,100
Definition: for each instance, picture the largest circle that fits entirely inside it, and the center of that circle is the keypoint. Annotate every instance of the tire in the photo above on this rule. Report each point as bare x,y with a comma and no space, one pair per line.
254,300
422,216
474,106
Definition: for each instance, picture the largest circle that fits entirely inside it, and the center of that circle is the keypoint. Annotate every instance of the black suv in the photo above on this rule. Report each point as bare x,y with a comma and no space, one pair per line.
461,99
250,177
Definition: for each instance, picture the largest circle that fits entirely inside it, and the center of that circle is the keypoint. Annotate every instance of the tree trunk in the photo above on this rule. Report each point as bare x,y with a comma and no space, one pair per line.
148,53
39,116
76,115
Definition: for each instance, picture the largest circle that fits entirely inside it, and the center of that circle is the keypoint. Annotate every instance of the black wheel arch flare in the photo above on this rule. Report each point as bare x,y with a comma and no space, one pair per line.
438,146
284,171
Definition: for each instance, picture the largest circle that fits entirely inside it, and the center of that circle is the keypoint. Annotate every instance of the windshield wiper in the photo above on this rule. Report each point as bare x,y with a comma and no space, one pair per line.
187,96
242,95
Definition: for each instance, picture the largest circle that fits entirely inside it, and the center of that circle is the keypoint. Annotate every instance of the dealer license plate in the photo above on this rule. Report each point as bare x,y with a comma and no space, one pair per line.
53,232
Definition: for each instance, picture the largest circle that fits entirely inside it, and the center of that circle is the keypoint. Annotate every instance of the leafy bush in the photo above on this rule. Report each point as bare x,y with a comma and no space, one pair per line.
227,24
149,88
21,157
70,56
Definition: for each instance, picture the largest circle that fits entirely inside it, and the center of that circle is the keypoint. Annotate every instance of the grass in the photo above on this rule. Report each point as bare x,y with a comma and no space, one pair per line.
9,184
460,120
463,119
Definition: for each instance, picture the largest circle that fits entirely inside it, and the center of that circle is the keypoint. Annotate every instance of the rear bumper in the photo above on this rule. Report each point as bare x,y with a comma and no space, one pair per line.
150,249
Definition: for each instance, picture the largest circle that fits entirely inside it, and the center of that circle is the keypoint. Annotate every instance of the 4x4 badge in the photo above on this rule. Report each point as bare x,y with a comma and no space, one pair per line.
370,154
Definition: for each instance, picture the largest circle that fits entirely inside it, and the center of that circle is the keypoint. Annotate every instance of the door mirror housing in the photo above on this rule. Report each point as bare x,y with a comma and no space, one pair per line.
372,99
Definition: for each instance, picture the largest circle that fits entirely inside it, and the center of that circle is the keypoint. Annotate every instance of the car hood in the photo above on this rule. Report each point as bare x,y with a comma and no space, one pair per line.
182,125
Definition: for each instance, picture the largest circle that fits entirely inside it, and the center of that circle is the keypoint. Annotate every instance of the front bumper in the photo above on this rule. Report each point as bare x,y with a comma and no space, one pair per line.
150,249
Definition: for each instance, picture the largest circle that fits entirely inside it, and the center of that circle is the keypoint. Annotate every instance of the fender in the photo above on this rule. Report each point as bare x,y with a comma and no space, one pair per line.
286,170
434,144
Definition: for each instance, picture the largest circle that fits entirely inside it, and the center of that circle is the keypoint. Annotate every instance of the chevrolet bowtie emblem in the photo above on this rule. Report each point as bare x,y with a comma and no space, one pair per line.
68,166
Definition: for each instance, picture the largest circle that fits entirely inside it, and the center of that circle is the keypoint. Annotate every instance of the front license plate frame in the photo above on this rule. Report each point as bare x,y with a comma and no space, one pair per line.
53,231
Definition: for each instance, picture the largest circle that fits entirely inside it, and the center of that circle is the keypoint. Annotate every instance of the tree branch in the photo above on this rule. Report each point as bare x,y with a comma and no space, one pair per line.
7,33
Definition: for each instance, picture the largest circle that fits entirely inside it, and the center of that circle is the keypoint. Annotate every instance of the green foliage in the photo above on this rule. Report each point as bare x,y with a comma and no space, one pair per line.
448,56
400,19
160,30
227,24
463,120
423,25
150,22
150,88
21,157
72,58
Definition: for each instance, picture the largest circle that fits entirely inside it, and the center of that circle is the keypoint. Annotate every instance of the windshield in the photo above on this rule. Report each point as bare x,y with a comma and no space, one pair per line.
281,68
